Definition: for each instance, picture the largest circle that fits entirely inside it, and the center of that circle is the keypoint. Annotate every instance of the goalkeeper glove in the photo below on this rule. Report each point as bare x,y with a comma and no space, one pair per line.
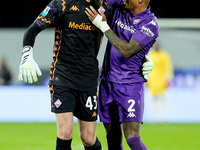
28,68
102,25
147,67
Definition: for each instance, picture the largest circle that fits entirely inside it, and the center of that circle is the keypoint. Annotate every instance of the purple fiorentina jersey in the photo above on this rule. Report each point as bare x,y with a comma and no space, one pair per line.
143,28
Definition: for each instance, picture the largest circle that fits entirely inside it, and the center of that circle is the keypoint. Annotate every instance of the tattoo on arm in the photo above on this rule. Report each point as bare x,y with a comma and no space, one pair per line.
127,49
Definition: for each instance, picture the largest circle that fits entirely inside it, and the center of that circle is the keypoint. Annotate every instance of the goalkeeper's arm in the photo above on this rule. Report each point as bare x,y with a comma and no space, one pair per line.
28,68
30,34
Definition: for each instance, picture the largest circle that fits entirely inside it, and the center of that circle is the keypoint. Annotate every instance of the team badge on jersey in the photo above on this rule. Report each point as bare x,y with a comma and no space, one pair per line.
45,11
136,21
101,9
57,103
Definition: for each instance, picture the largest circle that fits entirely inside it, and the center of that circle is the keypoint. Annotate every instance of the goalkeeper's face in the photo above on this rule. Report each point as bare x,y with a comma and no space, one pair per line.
98,2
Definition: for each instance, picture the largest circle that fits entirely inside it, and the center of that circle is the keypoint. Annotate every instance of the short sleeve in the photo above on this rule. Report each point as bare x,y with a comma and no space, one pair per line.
147,32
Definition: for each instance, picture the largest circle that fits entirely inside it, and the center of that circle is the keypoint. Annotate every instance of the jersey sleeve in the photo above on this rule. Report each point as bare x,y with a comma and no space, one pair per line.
51,13
30,34
147,32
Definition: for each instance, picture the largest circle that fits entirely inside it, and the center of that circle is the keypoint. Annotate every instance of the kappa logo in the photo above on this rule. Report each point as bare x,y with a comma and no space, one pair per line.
153,23
131,114
75,8
94,114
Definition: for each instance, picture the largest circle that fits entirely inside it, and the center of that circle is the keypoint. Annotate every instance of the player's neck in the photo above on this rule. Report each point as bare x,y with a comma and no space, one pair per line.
138,10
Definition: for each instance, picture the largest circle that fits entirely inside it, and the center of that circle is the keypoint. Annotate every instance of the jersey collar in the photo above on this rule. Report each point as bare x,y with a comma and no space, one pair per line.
147,11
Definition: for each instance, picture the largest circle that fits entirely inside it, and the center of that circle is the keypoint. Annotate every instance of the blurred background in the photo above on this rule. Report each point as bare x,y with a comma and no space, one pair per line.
179,36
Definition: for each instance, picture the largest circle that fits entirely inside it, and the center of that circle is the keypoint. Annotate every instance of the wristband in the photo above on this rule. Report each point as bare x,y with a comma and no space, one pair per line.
102,25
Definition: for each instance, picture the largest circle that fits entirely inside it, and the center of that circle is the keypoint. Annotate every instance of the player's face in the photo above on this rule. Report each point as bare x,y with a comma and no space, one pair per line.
131,4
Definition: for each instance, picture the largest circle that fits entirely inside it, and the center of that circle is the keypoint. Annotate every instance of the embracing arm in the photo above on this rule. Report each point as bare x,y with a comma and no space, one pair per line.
127,49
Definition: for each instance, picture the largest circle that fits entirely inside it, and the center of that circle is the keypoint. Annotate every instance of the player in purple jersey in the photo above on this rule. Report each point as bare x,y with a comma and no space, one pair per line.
131,33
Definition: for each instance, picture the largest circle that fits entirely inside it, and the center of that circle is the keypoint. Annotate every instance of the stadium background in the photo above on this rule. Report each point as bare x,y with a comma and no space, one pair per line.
179,35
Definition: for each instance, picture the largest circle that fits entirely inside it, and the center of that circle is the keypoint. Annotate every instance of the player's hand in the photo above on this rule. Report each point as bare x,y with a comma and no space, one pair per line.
147,67
99,20
28,68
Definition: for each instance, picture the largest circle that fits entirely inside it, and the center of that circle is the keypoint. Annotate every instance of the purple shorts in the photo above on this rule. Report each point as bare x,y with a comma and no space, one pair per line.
121,102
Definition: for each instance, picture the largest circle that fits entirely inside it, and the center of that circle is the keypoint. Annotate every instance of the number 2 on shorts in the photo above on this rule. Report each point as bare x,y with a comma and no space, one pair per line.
131,109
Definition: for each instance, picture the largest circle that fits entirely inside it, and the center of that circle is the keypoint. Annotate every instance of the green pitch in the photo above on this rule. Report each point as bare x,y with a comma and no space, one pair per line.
41,136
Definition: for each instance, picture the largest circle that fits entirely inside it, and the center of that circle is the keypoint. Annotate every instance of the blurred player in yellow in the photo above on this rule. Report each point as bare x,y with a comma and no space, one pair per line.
160,78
